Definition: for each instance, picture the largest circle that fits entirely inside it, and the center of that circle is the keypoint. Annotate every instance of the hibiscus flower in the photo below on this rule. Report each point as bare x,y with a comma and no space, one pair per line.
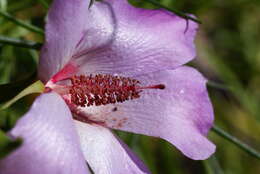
111,66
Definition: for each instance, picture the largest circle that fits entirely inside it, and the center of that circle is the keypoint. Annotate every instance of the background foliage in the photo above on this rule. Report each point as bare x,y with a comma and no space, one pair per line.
228,45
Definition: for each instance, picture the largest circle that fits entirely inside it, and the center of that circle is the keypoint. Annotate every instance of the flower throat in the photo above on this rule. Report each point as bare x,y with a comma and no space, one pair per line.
105,89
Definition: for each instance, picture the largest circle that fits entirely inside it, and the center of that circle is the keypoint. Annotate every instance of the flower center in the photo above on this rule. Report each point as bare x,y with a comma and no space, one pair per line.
105,89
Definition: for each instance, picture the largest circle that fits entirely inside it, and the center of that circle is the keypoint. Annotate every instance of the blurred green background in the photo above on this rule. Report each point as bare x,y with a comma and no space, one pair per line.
228,45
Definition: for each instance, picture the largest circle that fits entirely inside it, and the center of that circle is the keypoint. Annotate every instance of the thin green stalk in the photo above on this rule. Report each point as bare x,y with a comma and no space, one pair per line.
20,43
44,4
21,23
217,85
178,13
236,142
212,166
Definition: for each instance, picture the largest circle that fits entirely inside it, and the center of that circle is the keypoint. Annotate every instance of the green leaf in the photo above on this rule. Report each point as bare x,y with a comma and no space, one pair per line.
36,87
7,145
8,91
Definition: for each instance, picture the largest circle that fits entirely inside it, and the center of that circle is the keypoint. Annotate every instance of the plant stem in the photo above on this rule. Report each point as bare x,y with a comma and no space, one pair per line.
20,43
217,85
178,13
21,23
236,142
212,165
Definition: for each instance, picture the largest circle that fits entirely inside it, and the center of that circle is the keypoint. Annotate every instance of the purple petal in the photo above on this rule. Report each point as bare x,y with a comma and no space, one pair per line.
105,153
51,143
181,113
64,29
127,40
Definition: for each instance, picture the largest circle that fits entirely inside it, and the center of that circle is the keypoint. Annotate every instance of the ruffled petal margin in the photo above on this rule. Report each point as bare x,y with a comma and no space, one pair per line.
114,37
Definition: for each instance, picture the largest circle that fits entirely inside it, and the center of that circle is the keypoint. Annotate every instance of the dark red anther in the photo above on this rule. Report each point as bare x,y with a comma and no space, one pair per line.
105,89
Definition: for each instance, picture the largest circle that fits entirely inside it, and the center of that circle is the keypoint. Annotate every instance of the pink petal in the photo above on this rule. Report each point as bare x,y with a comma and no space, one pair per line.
181,113
64,29
105,153
126,40
51,143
